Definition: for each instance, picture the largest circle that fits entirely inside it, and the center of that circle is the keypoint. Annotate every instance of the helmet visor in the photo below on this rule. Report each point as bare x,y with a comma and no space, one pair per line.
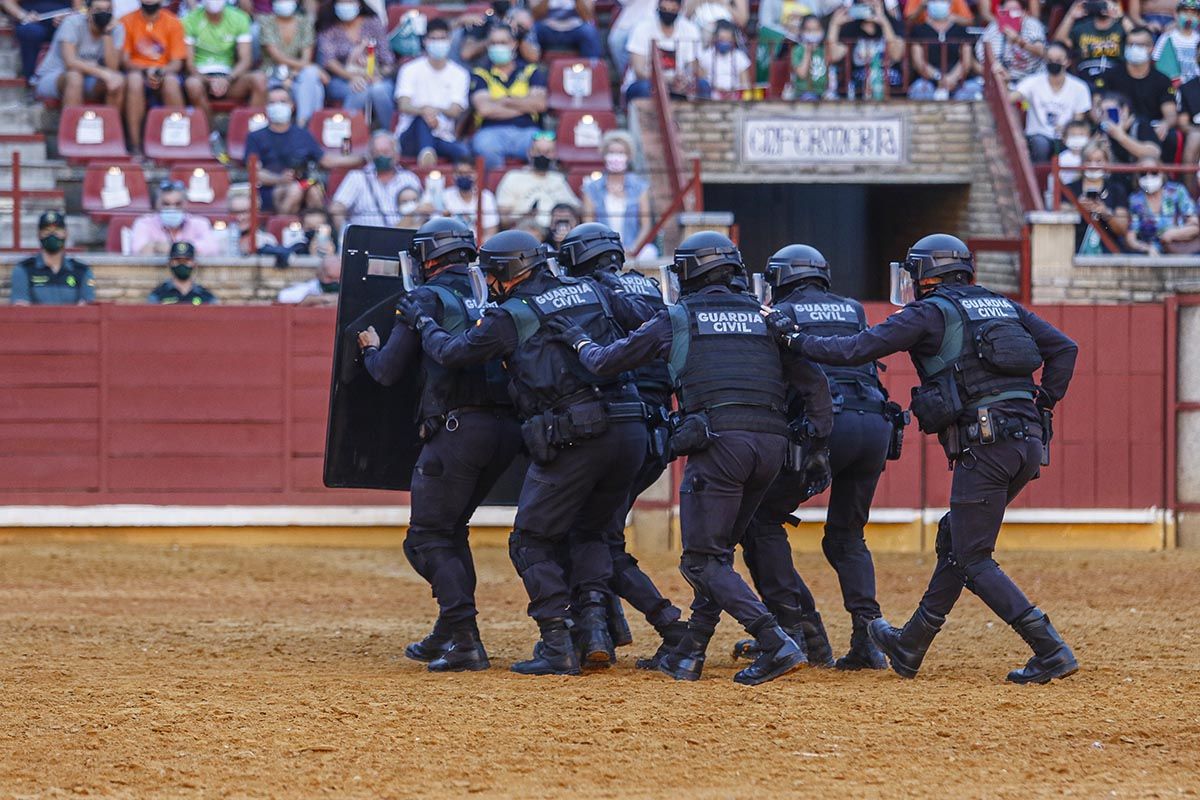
479,285
409,273
762,289
903,291
668,284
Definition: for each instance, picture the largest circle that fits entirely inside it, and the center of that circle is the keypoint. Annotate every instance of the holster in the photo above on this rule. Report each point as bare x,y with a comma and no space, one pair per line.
800,433
690,433
899,419
658,426
937,404
535,432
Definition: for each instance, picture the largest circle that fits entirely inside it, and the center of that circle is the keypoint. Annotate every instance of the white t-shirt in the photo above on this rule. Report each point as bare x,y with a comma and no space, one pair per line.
1185,45
456,206
680,49
724,71
1050,111
440,88
632,14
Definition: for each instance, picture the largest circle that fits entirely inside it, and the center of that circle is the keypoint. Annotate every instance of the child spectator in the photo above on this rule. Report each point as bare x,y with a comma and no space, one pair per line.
431,92
220,64
724,65
84,60
153,57
1175,51
462,199
811,76
288,41
1076,137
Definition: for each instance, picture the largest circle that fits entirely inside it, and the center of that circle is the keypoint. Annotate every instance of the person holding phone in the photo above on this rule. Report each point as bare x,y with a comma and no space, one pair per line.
1095,32
1104,198
941,55
1017,41
874,47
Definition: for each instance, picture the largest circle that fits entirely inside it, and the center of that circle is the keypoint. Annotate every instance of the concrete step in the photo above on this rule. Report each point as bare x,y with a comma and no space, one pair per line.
32,150
21,117
34,174
13,91
10,58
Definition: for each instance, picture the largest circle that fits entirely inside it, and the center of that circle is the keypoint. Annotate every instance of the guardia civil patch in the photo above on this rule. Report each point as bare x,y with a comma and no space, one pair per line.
825,312
727,323
570,295
978,308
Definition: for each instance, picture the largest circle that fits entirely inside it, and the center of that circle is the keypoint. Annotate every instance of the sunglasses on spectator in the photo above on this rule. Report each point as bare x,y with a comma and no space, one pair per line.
545,136
168,185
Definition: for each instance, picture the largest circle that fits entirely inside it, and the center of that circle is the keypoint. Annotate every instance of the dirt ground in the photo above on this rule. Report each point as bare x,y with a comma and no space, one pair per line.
157,671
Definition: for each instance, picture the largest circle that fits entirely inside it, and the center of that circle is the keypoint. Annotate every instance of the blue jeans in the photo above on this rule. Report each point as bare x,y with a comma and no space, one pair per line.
616,49
497,142
923,89
379,95
1041,148
639,89
417,137
31,36
584,39
307,91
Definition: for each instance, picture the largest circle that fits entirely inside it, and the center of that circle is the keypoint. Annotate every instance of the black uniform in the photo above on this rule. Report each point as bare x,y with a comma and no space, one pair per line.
586,434
167,294
470,436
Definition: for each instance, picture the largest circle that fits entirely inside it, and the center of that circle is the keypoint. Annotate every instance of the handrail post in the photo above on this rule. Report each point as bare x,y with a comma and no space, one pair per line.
16,196
480,175
252,177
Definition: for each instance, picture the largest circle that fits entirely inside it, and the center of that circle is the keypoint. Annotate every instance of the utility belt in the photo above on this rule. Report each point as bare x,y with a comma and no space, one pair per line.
985,427
545,433
450,420
658,423
848,395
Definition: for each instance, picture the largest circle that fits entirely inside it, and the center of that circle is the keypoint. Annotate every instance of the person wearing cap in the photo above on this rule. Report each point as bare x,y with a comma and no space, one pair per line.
153,234
181,289
52,278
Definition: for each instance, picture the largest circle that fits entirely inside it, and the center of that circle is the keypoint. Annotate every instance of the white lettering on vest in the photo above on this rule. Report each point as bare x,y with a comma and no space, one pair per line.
825,312
565,296
730,322
988,308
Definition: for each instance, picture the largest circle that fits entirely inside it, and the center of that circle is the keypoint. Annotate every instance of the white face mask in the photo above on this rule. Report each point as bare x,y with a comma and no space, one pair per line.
812,37
214,6
1137,54
1076,143
437,49
1150,183
1094,174
346,11
408,207
284,8
279,113
616,162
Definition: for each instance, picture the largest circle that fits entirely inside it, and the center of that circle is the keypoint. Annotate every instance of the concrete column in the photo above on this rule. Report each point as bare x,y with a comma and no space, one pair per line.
1052,246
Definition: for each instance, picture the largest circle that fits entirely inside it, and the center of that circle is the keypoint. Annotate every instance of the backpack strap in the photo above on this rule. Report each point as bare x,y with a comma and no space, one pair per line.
681,339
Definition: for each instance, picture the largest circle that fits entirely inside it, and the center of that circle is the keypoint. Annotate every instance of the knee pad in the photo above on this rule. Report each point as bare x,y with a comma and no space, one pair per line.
942,544
622,560
698,570
838,548
976,568
527,550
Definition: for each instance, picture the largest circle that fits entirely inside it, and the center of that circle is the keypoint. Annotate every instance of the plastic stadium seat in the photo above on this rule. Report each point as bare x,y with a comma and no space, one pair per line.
579,135
492,178
278,226
241,123
115,241
207,187
580,83
336,176
90,132
576,177
115,189
329,126
177,134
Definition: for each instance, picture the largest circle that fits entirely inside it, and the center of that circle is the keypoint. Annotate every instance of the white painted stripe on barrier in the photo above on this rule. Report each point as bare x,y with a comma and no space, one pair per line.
1075,516
151,516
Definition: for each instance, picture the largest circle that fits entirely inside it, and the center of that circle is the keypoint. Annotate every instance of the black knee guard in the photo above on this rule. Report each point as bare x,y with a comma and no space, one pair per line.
423,549
699,569
838,548
527,550
942,545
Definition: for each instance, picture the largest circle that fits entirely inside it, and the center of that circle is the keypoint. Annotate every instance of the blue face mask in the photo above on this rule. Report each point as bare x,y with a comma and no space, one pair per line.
437,49
724,47
171,217
500,54
939,9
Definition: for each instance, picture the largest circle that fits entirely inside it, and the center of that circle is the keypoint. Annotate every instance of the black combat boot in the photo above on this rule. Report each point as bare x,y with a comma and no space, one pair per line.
591,631
555,654
432,646
1052,658
863,653
778,654
816,641
618,626
686,661
672,635
905,647
466,653
791,620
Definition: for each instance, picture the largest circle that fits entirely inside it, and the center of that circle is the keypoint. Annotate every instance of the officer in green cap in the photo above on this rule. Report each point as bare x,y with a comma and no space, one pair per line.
52,278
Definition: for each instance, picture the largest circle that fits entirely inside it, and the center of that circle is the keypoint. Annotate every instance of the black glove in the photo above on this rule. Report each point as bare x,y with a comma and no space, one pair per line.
562,329
815,470
780,324
608,279
412,314
1043,401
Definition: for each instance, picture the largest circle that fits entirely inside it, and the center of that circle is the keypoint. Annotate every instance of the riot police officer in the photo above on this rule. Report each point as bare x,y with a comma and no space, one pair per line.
595,250
976,353
586,435
469,434
862,433
731,380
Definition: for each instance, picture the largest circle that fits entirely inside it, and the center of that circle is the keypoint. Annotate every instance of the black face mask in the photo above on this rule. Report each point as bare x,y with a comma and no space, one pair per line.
101,19
464,182
383,163
182,271
331,287
52,243
541,163
1055,68
150,9
667,18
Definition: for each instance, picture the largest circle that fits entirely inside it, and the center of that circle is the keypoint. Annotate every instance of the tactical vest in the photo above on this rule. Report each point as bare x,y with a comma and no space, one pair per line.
971,314
820,312
443,390
498,89
548,375
653,380
724,362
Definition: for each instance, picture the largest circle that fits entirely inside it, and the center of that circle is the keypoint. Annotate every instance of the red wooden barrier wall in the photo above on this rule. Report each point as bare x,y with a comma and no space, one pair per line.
226,405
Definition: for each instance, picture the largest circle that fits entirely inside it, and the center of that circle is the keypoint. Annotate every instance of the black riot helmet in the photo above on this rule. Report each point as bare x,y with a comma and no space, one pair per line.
704,252
511,254
588,247
938,254
441,236
796,262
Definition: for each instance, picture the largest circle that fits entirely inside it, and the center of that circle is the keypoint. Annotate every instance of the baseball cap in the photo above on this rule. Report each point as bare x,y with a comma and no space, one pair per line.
182,250
52,219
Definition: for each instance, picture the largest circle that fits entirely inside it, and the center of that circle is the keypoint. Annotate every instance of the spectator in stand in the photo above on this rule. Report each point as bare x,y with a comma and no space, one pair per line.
368,196
321,290
567,25
462,200
810,62
679,43
1095,32
1189,125
239,207
1175,51
736,11
1076,137
288,157
1162,215
724,65
1151,94
153,57
1129,139
288,40
509,97
534,189
563,217
31,31
181,288
431,92
1054,98
84,60
1105,199
347,29
619,197
219,60
506,14
916,12
51,277
153,234
629,17
1154,14
1017,41
869,35
941,55
408,204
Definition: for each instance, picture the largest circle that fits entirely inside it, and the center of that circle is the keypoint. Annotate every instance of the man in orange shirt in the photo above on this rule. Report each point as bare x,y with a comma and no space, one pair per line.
153,59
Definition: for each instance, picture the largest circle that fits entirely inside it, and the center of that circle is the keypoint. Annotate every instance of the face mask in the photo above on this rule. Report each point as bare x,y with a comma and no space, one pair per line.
939,9
1137,54
52,243
1150,183
331,287
667,18
279,113
171,217
284,8
437,49
500,54
1077,143
150,9
616,162
345,11
1186,22
182,271
214,6
101,19
1055,68
408,207
464,182
1094,174
541,163
812,37
724,47
561,229
383,163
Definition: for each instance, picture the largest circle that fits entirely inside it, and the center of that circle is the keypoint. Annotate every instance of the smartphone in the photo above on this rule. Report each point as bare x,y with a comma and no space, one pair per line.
1095,8
1114,115
1007,21
860,12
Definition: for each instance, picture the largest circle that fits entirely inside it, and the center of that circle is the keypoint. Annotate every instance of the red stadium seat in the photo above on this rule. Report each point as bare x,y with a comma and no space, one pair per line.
579,135
177,134
279,225
90,132
115,189
336,176
492,178
576,177
207,187
242,122
580,83
328,126
116,225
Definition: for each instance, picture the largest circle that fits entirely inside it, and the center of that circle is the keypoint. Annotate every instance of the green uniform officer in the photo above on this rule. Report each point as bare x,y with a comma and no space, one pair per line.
52,278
